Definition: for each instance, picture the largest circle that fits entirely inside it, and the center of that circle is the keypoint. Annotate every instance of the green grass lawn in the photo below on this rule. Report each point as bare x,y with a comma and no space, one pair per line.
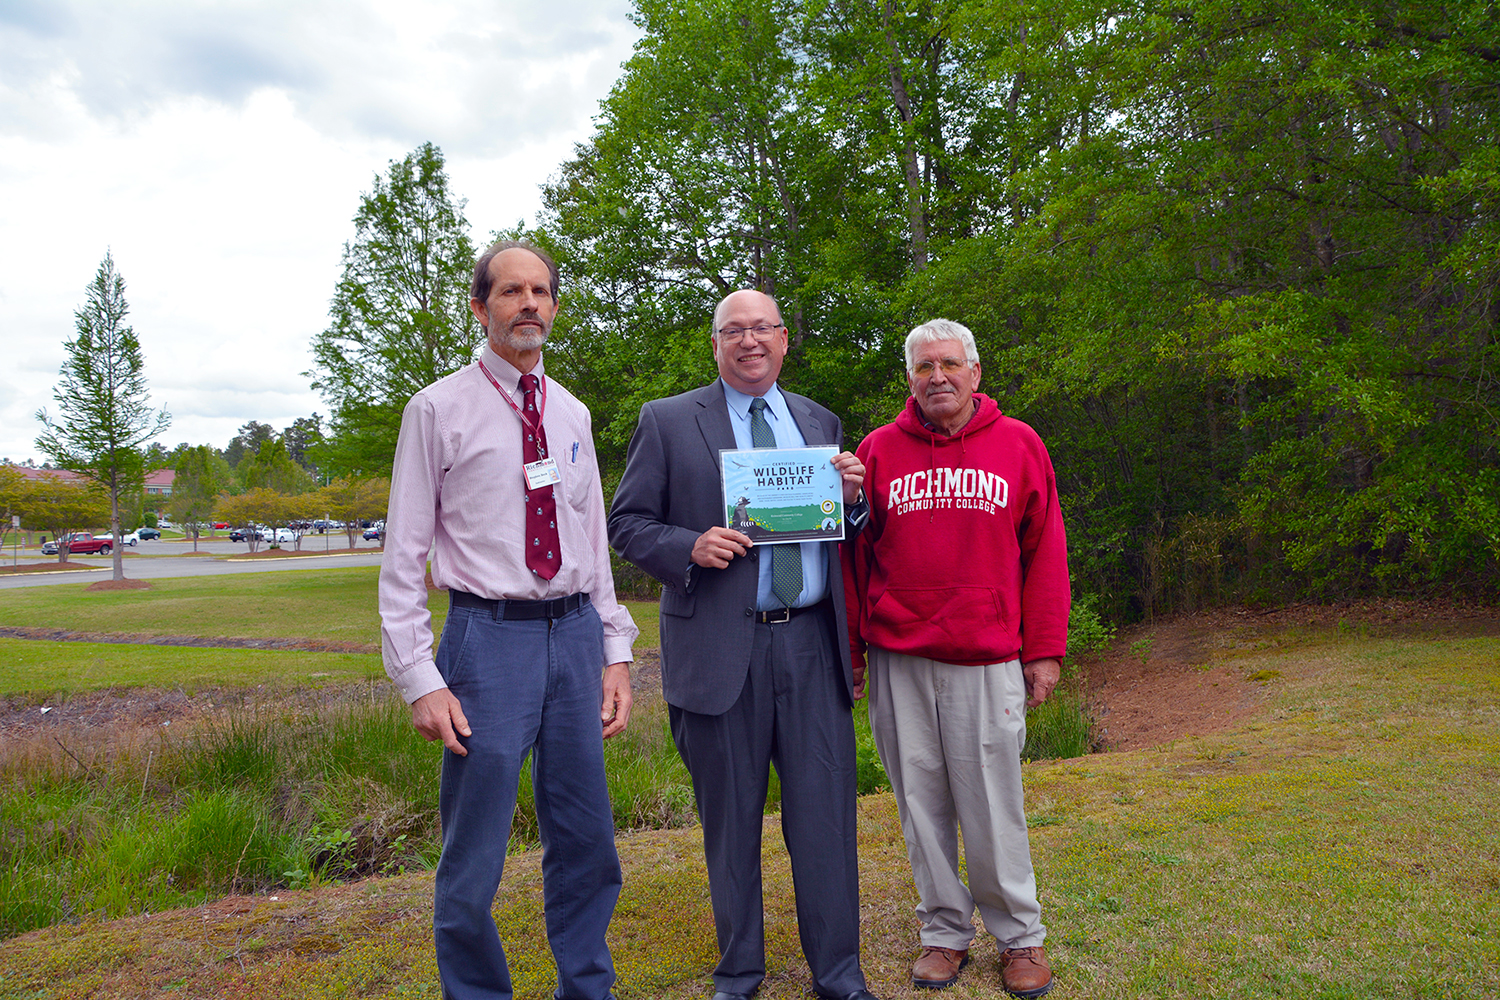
1342,844
326,604
37,669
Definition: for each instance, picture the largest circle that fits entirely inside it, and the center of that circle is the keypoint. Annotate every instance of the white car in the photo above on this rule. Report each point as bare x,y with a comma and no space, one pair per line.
277,535
131,539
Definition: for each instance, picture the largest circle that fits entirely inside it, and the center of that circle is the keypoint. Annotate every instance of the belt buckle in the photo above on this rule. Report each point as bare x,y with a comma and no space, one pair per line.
781,615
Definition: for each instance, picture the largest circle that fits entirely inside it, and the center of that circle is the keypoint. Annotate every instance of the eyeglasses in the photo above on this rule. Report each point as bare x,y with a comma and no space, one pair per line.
762,333
950,366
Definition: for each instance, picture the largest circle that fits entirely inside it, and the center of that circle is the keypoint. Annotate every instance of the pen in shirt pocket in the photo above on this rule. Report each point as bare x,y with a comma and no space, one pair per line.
575,452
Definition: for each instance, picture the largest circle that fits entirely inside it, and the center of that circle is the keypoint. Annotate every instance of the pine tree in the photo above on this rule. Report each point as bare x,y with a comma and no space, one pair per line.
104,417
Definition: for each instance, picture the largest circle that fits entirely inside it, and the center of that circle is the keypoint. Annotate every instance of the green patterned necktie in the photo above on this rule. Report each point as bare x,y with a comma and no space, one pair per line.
786,560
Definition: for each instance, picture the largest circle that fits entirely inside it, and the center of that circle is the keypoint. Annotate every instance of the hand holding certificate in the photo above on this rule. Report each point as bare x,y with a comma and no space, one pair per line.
779,495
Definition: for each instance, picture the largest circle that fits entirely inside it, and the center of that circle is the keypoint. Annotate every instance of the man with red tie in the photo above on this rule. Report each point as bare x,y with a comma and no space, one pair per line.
495,473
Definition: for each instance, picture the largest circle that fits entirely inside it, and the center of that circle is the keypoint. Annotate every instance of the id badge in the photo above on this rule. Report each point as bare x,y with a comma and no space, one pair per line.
542,473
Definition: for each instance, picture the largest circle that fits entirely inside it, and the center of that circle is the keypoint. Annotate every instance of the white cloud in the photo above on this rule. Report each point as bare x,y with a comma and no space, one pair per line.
219,151
476,77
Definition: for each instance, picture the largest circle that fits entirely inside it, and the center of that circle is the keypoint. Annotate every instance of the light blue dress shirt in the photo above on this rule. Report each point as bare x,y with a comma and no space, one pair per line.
788,435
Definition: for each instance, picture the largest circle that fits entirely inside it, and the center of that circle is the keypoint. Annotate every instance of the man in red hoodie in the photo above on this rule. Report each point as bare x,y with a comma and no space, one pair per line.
957,593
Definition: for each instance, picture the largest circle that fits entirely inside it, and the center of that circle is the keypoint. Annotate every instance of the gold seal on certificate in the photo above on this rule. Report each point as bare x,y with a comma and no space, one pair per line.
783,494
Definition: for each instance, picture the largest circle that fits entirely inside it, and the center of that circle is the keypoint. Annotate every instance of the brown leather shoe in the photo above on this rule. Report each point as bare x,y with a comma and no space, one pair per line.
1024,971
938,967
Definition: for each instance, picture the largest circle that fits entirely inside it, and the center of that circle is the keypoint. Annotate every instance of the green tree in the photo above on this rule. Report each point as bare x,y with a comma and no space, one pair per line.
247,442
270,465
58,506
1236,262
258,507
302,439
13,490
354,500
707,174
400,313
1250,304
103,419
202,475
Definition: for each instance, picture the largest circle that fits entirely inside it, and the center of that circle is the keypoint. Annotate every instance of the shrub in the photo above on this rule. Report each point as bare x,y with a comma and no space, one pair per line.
1087,631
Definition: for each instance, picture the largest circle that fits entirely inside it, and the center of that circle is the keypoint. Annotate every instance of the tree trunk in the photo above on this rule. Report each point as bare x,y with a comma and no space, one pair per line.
115,543
916,210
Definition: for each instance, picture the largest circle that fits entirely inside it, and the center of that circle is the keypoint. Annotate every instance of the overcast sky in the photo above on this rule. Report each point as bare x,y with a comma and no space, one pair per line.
219,150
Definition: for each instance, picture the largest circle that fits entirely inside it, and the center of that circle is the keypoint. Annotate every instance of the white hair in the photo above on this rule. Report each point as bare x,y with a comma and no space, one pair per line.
935,330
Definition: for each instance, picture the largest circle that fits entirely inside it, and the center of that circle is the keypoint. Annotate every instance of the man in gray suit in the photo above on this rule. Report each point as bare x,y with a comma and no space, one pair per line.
754,664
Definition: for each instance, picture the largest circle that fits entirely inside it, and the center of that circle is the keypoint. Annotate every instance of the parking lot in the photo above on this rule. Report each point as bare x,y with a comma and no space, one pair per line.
175,557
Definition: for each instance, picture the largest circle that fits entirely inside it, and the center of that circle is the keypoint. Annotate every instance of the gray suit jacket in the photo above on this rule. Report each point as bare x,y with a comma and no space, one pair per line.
670,494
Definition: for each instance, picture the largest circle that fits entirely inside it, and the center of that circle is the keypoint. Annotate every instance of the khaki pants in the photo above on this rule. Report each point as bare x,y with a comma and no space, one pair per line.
950,738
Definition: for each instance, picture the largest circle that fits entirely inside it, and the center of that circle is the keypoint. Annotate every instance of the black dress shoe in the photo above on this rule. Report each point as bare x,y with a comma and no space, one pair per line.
856,995
721,995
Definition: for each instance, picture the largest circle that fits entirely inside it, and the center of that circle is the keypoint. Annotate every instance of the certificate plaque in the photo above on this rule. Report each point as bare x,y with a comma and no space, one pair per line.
783,494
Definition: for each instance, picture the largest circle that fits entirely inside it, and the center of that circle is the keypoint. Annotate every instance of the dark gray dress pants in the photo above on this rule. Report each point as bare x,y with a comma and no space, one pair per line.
792,712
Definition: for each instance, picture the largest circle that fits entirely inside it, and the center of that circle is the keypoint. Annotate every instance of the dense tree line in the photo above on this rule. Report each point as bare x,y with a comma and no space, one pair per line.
1237,263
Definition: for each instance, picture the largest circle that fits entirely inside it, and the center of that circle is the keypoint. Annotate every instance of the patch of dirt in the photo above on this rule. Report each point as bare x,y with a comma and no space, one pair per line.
199,641
299,553
126,584
645,673
1165,679
92,727
1157,682
107,714
50,566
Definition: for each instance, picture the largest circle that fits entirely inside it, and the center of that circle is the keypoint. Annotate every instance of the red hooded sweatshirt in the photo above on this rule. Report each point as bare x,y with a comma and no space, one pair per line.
964,559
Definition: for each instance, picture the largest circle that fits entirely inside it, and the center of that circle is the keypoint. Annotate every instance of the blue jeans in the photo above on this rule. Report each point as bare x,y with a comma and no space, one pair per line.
525,687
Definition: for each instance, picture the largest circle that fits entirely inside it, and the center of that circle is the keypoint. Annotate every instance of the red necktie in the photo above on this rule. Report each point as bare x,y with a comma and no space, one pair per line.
543,549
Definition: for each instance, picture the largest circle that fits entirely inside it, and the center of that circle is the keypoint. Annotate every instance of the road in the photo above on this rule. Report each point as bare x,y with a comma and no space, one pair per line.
159,559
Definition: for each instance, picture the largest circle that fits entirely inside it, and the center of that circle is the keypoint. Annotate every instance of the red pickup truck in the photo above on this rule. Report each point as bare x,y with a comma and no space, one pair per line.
83,543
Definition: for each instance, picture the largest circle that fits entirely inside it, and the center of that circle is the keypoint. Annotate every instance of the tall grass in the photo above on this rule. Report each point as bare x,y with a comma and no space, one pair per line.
1058,727
313,786
296,788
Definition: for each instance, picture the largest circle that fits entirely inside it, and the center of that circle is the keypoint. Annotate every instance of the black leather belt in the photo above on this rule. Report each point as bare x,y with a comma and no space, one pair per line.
779,615
518,610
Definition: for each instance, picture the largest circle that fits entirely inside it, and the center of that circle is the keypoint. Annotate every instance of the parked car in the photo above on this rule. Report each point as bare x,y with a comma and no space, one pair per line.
49,547
131,539
277,535
147,533
220,525
239,534
82,542
372,533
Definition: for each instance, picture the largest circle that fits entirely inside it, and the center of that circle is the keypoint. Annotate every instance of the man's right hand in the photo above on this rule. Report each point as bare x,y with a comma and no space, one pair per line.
438,716
716,546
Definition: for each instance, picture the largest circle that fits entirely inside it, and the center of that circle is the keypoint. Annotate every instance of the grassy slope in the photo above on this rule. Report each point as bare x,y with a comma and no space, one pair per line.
1343,845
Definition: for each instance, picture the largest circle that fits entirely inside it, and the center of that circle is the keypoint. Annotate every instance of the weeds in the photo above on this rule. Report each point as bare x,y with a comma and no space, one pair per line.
301,789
